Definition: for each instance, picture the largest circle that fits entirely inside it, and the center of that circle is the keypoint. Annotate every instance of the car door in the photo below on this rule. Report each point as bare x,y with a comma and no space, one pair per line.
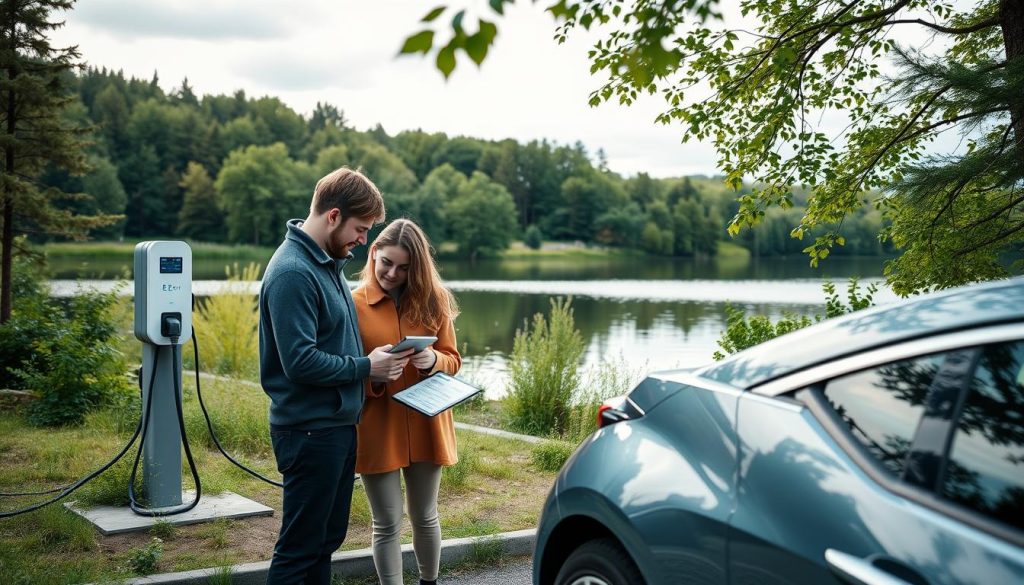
902,466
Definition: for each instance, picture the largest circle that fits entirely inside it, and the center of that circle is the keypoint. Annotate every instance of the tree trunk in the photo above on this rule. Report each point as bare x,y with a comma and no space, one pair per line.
1011,18
7,240
8,259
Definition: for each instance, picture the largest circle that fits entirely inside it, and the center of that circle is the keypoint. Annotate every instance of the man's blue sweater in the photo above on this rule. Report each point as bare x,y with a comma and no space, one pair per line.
311,355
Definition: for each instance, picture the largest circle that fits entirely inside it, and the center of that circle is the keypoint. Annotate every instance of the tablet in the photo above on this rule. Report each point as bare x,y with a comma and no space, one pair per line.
417,342
436,393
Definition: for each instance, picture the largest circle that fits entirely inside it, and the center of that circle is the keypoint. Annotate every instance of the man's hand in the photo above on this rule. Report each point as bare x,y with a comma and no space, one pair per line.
424,360
385,366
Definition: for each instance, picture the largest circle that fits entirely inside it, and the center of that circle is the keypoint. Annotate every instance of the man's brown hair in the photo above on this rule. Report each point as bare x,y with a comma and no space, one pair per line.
350,191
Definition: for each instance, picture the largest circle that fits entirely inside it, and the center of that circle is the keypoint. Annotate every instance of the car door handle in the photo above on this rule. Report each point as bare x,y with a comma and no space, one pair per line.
871,571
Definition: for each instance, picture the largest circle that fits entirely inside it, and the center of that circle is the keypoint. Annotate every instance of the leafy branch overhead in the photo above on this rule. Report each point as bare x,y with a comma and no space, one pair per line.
891,77
474,45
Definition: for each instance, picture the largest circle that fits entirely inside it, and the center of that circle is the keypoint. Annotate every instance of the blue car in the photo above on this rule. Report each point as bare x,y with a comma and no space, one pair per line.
882,447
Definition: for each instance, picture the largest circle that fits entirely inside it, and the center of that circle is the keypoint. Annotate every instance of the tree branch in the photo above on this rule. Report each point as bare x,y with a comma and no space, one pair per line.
1000,236
994,21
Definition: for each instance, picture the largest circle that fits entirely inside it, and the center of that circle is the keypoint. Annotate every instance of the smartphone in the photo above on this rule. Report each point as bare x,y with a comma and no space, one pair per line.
417,342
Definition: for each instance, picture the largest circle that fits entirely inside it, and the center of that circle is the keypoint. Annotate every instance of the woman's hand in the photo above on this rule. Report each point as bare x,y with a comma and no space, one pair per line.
424,360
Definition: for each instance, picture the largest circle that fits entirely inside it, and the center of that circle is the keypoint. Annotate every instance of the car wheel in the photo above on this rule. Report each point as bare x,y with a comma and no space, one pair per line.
599,562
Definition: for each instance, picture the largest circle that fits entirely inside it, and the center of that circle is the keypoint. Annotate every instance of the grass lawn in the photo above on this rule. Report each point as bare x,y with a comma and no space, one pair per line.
487,492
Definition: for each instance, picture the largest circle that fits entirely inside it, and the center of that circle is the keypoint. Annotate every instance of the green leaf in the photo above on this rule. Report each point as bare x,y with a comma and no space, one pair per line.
434,14
446,60
476,47
457,21
488,30
419,42
498,6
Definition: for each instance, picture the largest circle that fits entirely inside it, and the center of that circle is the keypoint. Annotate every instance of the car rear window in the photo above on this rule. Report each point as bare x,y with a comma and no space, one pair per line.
882,406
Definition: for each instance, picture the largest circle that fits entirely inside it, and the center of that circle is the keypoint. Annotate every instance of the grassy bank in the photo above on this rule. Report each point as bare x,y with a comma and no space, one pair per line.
89,251
487,492
69,254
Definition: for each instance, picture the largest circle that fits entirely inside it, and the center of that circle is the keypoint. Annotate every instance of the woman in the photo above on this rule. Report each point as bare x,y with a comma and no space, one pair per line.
401,294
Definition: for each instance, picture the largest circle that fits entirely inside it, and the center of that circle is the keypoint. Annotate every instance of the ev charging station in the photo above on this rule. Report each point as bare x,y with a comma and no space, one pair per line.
163,323
163,319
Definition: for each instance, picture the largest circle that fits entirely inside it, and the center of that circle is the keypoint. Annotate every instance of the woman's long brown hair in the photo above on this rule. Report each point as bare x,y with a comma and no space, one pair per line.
425,301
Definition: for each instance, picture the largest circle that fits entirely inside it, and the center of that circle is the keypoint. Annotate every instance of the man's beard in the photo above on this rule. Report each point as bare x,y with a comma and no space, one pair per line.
337,249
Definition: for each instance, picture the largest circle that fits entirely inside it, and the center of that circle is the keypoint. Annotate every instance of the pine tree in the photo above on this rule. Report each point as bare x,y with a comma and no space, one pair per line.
34,134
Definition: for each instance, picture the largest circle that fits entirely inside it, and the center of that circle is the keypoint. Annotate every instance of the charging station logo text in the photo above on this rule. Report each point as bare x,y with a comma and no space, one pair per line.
170,287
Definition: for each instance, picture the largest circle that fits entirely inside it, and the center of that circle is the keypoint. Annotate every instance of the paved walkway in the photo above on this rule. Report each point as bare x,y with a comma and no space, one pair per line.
516,571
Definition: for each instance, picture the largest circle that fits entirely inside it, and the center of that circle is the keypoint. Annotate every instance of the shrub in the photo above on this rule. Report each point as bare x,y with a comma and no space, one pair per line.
544,373
143,560
741,332
551,455
163,530
66,353
533,238
28,320
226,325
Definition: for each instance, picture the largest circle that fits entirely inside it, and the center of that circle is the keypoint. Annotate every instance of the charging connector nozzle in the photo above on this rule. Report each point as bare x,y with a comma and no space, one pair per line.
170,325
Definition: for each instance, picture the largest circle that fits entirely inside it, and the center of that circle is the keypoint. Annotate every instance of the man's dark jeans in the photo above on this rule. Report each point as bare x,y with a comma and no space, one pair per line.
318,469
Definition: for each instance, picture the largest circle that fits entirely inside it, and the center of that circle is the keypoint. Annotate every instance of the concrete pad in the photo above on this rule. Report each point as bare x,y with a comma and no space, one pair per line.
116,520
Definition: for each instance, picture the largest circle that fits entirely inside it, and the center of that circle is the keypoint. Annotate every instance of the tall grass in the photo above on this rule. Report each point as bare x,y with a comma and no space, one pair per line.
227,324
610,378
238,412
544,372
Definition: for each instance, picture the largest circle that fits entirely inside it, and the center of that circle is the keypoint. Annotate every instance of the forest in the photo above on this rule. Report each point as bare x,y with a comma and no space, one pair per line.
233,168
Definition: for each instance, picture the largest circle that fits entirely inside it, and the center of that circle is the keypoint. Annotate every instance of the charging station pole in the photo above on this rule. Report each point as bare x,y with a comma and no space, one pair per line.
163,298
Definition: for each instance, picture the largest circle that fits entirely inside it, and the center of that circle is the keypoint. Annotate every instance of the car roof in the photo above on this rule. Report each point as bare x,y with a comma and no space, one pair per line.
939,312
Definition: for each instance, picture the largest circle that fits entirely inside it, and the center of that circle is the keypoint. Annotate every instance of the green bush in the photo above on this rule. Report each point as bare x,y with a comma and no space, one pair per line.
143,560
742,332
544,374
65,353
533,238
551,455
28,320
163,530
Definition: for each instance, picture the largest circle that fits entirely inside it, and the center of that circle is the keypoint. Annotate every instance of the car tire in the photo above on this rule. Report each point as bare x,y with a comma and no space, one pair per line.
599,562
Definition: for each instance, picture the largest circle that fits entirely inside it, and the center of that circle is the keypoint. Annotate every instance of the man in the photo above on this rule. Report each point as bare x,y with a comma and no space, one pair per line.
311,365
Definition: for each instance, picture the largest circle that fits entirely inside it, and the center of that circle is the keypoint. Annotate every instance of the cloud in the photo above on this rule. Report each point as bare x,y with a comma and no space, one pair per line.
293,72
183,20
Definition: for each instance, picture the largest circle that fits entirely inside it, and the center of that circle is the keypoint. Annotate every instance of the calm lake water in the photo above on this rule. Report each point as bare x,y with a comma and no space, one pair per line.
644,314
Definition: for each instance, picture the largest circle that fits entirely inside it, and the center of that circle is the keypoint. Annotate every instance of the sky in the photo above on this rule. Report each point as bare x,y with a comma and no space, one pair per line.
344,52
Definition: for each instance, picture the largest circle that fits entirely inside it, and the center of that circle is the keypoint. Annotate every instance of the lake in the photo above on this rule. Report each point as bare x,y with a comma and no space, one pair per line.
642,313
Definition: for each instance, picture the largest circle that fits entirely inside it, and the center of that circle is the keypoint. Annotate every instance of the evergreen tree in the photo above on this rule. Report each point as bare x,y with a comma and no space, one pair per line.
35,135
200,217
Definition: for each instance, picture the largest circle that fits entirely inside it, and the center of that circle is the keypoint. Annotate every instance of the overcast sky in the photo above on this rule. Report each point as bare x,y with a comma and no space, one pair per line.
344,52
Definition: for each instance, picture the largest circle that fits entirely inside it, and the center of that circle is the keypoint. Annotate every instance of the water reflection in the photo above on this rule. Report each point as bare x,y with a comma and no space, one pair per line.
643,335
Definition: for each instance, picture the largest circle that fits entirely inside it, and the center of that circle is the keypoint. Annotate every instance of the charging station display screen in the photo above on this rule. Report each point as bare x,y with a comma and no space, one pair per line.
170,265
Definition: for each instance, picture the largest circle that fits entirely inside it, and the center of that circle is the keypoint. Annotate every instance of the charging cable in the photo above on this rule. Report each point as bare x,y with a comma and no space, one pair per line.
171,327
66,491
209,424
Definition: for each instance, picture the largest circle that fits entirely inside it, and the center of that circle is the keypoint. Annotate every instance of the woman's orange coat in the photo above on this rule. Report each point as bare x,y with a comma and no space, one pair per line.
391,435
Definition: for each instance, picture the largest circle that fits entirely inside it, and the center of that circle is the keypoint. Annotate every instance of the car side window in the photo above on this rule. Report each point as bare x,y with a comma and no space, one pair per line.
985,468
882,406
